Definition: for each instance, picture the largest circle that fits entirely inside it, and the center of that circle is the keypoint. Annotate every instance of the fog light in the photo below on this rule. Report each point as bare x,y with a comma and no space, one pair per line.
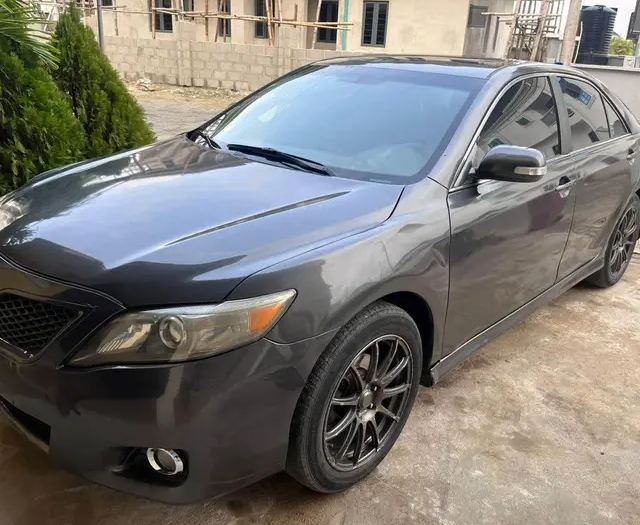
164,461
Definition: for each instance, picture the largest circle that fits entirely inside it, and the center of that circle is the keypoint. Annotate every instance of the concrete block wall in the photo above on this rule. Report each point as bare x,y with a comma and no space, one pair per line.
206,64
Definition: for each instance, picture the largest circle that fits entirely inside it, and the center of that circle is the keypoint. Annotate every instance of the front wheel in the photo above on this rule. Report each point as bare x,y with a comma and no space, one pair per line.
357,399
620,248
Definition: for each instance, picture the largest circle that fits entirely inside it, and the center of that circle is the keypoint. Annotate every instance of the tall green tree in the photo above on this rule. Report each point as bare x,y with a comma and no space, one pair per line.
38,130
18,29
621,46
111,117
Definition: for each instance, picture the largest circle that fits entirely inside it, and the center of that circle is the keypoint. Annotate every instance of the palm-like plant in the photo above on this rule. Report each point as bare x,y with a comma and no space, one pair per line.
18,27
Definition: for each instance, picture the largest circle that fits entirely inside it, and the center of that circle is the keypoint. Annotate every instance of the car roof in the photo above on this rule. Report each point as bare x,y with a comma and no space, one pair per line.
459,66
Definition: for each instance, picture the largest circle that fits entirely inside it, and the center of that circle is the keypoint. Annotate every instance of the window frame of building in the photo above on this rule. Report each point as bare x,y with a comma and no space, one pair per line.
260,6
375,20
518,114
224,24
329,10
162,19
476,19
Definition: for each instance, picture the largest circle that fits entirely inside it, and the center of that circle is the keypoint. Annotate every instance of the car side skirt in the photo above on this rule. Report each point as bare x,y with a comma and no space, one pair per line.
458,356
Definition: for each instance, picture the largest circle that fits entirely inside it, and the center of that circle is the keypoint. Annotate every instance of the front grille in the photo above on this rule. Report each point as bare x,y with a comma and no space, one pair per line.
30,325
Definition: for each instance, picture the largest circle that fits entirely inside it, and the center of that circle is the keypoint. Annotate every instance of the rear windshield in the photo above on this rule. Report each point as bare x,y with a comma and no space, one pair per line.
367,122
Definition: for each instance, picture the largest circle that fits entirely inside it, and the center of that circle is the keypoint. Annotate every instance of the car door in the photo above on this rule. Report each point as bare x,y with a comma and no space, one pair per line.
604,154
507,238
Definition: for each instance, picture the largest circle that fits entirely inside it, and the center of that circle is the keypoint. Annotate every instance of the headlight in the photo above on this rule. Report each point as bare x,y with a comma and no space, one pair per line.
182,333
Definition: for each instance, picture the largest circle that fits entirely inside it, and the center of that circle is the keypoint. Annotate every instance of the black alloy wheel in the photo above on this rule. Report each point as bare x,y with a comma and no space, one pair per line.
368,402
620,248
623,243
357,399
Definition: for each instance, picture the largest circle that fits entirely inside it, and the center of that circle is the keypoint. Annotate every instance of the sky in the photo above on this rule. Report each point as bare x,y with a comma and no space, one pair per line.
625,8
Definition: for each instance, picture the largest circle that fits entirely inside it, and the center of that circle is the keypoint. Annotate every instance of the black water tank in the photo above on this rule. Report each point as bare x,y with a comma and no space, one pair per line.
597,30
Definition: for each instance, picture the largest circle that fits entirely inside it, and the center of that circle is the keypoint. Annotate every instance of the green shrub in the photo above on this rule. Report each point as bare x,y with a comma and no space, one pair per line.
621,46
38,130
111,117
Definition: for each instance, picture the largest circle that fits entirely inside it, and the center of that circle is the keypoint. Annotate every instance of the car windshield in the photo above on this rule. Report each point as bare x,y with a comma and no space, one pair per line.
372,122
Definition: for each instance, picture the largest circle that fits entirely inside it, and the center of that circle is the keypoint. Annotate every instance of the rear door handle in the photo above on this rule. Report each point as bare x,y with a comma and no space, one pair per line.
631,154
565,184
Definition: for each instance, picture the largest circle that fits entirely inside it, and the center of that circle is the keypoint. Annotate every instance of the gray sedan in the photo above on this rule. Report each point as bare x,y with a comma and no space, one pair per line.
269,291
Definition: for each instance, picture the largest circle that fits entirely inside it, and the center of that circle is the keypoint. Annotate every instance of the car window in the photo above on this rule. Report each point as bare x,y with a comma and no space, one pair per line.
370,122
525,116
585,111
617,127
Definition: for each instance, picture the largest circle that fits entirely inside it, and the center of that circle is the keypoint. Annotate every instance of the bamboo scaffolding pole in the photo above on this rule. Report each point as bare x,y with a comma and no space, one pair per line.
115,18
224,22
315,28
279,16
215,38
206,20
153,19
520,15
252,18
249,18
269,28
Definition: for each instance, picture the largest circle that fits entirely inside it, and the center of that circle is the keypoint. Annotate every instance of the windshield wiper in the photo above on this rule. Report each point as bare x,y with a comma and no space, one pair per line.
282,157
210,142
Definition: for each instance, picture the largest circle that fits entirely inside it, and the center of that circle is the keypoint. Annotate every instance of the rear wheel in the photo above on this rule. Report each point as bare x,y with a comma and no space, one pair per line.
620,248
357,399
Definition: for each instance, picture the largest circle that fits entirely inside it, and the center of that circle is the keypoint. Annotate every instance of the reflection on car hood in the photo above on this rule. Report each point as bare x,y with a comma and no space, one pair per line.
179,223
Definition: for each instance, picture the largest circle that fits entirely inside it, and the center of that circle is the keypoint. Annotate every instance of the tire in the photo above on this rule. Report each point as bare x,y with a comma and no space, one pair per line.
339,378
616,262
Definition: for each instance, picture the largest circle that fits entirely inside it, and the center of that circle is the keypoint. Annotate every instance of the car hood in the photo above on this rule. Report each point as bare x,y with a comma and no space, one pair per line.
179,223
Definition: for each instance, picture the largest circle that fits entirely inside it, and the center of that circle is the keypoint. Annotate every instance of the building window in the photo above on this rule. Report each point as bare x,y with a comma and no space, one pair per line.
224,24
476,18
261,10
374,26
187,5
328,13
164,21
107,3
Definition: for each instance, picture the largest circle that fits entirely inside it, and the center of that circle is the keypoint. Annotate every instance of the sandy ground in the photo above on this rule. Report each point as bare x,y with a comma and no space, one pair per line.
173,110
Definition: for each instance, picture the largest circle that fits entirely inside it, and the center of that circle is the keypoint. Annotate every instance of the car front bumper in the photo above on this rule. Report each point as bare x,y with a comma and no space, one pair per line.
230,414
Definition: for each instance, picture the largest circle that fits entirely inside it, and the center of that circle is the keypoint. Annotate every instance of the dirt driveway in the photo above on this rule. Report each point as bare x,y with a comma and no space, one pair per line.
173,110
541,427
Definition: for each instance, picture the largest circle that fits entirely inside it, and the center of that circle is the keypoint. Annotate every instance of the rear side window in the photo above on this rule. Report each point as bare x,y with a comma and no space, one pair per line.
617,127
586,114
525,116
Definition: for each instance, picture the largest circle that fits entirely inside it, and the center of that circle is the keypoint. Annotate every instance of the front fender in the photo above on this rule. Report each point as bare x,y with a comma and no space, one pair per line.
407,253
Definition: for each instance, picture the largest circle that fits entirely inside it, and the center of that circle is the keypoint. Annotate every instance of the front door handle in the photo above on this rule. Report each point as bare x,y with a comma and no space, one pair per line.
565,184
631,154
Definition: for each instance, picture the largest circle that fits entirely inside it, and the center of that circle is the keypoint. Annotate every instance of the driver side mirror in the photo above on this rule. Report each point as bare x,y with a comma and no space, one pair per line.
512,164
